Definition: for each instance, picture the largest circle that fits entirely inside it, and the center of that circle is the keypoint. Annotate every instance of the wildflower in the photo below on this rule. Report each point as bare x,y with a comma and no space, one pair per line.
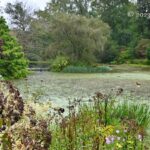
108,141
125,131
112,138
123,140
117,131
118,138
140,137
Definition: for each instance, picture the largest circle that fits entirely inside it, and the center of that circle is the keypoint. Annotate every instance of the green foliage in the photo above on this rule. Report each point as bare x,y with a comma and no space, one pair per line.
69,27
78,37
125,56
80,7
139,61
12,61
84,69
20,15
141,48
59,63
139,113
109,53
148,53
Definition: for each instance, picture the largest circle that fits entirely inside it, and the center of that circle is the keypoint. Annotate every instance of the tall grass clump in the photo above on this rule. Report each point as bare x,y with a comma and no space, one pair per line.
86,69
129,110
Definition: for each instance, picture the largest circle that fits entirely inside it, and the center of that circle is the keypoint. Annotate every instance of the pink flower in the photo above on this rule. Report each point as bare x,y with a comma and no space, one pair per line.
108,141
112,138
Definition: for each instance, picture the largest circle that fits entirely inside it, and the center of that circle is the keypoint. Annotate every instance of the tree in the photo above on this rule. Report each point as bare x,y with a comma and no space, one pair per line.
21,18
115,13
78,37
69,6
12,61
20,15
141,48
144,18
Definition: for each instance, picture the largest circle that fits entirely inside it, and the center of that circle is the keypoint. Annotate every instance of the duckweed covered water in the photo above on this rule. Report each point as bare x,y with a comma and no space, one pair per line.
59,87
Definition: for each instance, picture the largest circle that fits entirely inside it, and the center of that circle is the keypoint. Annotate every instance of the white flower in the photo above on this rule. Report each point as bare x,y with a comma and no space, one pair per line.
118,138
117,131
140,137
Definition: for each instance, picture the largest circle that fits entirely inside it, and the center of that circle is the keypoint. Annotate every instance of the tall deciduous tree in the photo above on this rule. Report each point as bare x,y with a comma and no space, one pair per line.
115,13
20,15
12,61
144,18
78,37
81,7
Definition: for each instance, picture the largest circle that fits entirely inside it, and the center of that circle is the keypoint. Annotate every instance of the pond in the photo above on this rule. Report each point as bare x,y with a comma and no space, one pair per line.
59,87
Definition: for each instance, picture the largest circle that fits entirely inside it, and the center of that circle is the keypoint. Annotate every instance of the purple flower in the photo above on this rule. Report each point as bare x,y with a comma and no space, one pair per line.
108,141
112,138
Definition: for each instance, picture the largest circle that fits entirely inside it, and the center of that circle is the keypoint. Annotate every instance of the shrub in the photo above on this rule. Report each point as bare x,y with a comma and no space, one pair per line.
139,61
19,126
11,110
141,48
13,64
148,53
84,69
11,105
125,56
59,63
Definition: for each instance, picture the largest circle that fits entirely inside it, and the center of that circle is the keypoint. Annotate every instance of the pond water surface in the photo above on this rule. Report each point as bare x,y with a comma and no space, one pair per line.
59,87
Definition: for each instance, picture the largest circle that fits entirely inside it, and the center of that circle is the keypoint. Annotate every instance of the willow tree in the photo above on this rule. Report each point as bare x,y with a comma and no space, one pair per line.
78,37
13,64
